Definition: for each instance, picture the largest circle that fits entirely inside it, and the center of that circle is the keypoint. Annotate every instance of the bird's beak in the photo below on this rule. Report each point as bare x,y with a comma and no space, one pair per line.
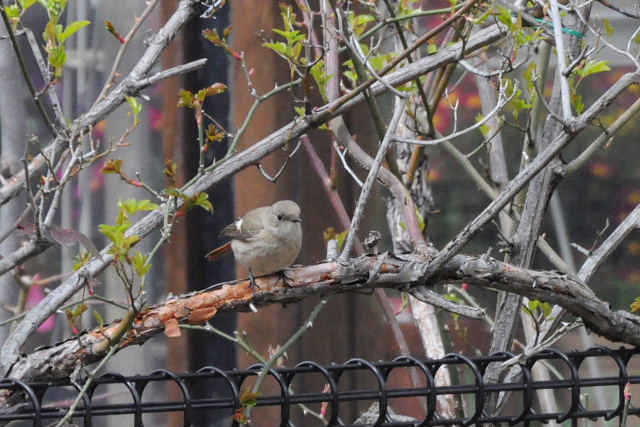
296,220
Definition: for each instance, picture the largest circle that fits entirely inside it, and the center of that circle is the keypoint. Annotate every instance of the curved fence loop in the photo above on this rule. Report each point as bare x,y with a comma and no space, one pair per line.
622,374
120,379
285,409
36,414
333,388
479,386
574,382
186,394
382,386
527,395
23,401
233,386
432,397
527,378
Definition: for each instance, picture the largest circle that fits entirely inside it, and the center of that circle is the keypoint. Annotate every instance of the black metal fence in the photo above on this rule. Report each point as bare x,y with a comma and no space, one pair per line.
470,387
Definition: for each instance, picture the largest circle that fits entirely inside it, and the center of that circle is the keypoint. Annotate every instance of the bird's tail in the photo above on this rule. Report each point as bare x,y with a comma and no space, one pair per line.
219,252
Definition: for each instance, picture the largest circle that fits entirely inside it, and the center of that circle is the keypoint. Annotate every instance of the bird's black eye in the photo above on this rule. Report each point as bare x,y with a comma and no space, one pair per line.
279,217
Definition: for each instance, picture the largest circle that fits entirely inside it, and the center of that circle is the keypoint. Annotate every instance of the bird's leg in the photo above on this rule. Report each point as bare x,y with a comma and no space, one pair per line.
284,278
252,280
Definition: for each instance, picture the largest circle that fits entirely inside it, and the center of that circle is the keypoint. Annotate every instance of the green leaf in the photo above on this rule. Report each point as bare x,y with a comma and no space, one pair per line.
214,89
112,166
278,47
185,98
115,233
454,297
54,7
342,237
133,206
136,107
484,128
359,22
78,310
26,4
608,27
81,260
212,35
291,36
202,200
378,62
13,11
577,102
71,29
129,241
57,59
421,221
594,67
505,16
301,111
141,263
529,75
320,76
99,318
432,48
352,76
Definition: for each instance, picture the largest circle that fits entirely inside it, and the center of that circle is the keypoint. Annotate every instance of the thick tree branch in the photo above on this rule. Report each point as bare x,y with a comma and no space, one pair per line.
402,272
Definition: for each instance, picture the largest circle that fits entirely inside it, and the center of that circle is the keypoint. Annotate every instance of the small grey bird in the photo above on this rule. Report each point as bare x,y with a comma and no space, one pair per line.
266,239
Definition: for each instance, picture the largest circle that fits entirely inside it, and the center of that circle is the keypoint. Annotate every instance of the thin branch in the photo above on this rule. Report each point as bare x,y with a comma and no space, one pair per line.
591,264
25,71
368,184
604,138
331,192
498,107
266,368
124,45
562,59
346,166
427,296
46,76
169,73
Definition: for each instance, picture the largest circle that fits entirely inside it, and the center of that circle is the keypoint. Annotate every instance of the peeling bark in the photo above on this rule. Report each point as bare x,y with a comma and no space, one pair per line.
401,271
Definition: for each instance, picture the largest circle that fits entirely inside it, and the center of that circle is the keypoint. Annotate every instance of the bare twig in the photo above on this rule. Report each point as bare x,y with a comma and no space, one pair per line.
604,138
46,76
25,71
562,59
426,295
368,184
124,45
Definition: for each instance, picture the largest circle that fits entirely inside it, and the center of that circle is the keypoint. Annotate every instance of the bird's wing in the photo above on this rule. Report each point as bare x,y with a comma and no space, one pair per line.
247,227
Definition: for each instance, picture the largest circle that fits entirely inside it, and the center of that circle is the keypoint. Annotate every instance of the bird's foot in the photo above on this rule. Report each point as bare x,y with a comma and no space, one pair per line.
285,280
252,280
